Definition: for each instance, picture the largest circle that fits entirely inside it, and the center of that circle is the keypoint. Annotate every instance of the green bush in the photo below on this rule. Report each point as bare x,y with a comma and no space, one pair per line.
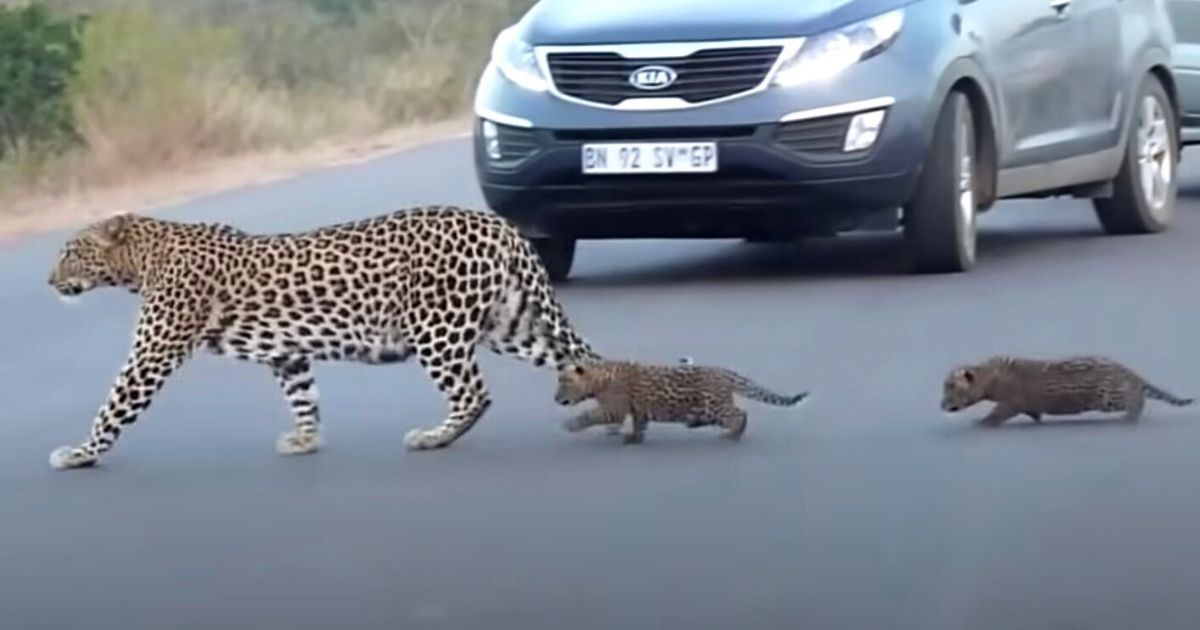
152,86
38,56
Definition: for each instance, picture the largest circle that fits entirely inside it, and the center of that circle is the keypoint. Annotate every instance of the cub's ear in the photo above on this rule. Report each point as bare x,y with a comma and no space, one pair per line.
578,369
114,230
968,375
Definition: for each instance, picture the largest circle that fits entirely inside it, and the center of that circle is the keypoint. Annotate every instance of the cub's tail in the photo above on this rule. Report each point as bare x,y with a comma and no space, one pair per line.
754,391
1165,396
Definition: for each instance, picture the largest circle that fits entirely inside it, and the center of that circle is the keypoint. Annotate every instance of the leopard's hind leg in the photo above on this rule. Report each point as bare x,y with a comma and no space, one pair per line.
733,419
633,429
1135,402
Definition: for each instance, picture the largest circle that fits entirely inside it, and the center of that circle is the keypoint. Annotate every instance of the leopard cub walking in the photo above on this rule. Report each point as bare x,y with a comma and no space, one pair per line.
1034,387
631,395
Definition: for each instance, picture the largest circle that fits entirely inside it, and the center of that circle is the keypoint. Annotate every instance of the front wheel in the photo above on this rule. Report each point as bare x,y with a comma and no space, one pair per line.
1144,190
557,254
939,219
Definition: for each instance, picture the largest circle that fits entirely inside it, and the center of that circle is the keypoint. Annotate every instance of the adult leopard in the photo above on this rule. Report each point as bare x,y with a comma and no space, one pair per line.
435,282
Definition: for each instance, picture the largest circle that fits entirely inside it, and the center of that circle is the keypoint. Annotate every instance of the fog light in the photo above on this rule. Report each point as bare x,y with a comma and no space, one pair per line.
491,140
863,131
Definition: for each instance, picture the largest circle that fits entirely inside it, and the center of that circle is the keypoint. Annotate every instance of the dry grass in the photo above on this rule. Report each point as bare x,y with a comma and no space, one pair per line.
41,212
169,87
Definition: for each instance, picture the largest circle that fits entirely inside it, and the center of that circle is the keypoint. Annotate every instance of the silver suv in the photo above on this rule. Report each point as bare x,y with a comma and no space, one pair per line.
774,119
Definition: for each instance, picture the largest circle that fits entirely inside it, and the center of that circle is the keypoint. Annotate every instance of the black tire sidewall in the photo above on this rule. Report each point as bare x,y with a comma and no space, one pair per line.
557,256
934,227
1127,211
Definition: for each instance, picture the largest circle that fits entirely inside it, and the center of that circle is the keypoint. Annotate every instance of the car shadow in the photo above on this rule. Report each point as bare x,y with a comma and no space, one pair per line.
849,256
1189,188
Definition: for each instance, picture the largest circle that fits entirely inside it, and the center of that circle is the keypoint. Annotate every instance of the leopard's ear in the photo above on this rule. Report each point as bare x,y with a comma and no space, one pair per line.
113,230
572,368
968,375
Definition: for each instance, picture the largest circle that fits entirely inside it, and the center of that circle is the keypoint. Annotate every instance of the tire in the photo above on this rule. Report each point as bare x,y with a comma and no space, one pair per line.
939,219
1144,190
557,254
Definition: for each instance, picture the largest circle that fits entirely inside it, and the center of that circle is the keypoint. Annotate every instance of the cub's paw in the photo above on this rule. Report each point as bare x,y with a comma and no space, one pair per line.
292,443
67,457
735,430
575,424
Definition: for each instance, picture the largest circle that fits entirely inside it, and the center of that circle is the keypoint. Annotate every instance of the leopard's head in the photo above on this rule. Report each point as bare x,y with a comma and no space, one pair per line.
578,382
89,258
964,386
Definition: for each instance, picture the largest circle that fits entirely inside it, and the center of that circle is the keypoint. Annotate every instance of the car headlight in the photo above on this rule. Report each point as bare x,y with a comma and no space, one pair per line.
825,55
516,61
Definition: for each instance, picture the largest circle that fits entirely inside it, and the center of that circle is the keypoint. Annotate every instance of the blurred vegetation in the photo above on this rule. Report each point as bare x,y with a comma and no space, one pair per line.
100,91
38,55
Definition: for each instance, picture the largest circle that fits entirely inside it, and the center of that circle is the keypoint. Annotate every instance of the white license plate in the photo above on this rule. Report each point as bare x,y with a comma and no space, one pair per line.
649,157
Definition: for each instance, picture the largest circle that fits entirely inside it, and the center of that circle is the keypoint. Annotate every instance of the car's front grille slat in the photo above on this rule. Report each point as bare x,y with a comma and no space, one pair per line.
655,133
706,75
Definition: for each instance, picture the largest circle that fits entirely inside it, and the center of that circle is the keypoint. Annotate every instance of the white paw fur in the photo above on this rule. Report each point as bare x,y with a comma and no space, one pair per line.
575,424
69,300
66,457
420,440
291,443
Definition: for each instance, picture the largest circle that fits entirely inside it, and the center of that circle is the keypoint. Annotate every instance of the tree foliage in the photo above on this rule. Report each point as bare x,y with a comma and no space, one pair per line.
39,52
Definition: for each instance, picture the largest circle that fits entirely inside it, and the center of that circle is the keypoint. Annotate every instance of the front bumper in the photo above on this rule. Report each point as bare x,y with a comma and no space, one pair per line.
775,177
781,164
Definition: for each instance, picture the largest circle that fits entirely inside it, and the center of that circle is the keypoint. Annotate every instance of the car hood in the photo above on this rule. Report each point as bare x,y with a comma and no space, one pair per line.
633,21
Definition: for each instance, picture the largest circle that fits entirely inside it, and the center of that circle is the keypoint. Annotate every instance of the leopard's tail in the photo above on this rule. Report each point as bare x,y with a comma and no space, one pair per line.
754,391
1165,396
565,344
548,321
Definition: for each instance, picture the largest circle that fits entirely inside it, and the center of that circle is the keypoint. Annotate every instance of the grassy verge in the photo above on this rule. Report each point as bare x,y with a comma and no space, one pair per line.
166,85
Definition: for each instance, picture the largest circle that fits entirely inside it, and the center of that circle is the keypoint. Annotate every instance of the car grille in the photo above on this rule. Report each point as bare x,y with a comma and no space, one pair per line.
705,75
655,133
817,138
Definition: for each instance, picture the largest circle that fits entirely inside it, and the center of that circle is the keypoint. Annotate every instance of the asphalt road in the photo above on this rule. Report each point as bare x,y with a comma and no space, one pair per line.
867,508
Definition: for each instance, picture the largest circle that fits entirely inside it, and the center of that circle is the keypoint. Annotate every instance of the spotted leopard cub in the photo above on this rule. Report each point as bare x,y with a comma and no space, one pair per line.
432,283
631,395
1034,388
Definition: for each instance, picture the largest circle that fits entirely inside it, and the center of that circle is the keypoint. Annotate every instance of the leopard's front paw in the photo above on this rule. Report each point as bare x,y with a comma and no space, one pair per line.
293,443
426,439
66,457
